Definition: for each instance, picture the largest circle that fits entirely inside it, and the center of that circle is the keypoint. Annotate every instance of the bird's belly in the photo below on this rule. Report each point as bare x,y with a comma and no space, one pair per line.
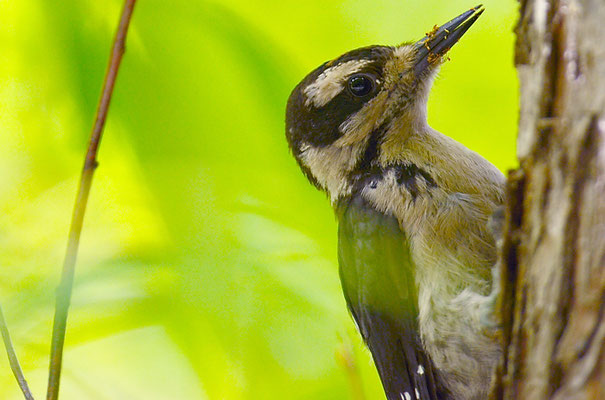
454,334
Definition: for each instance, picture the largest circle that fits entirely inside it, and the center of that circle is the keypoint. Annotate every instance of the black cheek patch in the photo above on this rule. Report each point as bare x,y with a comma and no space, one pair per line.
323,124
319,126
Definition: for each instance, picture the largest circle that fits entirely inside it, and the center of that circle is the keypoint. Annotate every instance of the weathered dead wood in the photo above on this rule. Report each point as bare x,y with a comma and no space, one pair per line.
554,246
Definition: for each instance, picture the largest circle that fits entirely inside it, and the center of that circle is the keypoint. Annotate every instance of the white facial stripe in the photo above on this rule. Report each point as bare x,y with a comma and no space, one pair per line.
330,166
331,82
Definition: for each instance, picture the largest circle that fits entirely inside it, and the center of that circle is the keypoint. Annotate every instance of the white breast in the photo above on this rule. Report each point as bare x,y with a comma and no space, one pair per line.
453,281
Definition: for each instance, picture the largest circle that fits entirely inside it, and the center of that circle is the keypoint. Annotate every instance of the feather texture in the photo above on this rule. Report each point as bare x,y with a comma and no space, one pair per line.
378,282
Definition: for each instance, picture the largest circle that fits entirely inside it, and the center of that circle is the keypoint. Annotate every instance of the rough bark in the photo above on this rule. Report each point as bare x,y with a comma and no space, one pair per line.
554,242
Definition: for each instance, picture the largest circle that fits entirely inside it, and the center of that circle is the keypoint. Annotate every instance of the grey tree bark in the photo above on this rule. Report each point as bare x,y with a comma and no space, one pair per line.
553,254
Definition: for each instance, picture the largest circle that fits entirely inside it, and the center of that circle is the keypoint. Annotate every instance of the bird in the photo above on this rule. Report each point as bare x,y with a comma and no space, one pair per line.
416,253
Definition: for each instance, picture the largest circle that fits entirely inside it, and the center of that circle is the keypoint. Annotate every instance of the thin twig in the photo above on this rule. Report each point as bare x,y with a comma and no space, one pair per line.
90,163
13,360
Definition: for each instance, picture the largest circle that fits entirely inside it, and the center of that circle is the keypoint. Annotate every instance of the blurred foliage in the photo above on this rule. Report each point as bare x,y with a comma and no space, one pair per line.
208,263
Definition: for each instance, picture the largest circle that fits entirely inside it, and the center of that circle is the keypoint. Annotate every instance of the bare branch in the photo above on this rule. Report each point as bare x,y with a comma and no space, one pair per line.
67,277
13,360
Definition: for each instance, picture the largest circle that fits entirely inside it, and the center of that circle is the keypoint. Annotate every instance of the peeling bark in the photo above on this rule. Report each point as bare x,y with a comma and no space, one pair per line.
553,256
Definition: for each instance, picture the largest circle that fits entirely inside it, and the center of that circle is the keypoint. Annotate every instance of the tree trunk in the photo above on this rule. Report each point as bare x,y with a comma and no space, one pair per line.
553,254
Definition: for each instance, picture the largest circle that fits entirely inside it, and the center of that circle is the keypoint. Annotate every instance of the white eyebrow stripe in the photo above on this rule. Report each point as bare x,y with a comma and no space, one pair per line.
330,82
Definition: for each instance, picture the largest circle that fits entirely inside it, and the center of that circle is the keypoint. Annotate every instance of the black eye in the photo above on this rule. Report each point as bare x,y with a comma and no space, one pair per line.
360,85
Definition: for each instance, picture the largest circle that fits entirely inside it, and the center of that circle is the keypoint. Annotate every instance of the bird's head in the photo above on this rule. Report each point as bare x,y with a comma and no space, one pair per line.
344,111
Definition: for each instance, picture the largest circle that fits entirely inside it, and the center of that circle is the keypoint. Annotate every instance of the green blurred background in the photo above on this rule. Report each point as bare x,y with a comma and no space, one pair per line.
207,268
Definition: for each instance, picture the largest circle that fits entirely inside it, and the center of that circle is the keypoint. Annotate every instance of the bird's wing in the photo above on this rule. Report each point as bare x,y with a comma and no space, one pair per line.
377,276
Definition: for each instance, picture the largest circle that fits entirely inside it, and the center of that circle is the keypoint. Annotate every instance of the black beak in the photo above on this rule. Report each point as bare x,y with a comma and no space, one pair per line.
436,43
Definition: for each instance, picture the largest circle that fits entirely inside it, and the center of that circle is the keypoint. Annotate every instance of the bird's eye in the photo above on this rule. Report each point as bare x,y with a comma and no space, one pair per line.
360,85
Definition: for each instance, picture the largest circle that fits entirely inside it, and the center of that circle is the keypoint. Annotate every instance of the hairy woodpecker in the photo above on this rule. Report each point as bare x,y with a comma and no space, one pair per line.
413,206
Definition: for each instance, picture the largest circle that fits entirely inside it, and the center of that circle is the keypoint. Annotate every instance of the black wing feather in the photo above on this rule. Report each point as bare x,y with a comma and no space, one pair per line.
378,282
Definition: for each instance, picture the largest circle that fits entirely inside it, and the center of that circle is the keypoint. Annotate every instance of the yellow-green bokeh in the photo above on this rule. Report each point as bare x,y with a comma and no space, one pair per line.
208,264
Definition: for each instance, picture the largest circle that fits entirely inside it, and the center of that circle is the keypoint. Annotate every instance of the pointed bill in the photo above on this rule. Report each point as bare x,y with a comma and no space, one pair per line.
437,42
